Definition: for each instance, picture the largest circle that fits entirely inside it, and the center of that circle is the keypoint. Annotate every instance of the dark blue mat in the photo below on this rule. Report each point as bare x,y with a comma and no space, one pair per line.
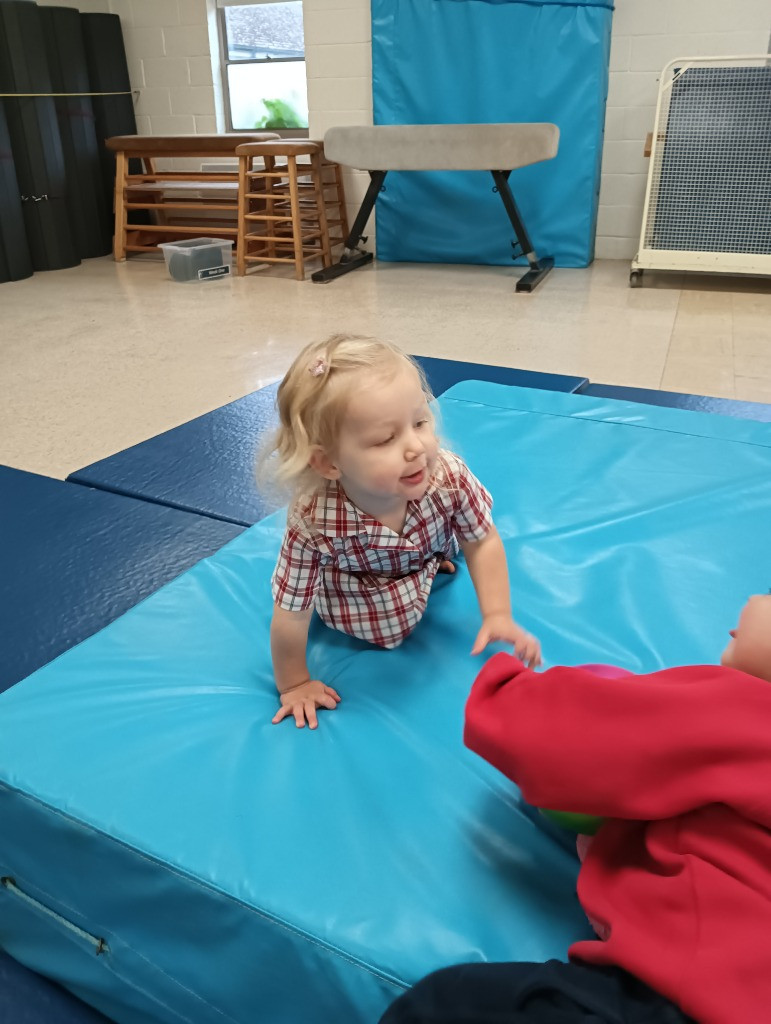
28,998
73,559
443,373
207,465
697,403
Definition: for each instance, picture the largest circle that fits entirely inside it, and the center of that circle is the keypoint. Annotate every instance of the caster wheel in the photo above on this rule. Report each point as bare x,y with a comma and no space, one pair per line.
635,278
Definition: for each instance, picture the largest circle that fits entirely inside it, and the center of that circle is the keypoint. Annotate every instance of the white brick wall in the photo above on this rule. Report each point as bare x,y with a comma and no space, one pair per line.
169,44
169,59
338,58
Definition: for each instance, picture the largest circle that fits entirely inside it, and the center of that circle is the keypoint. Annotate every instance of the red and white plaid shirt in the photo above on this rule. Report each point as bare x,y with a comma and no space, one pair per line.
362,577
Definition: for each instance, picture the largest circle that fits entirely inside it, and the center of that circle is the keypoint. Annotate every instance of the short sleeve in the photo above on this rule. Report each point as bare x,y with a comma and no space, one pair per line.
473,503
296,576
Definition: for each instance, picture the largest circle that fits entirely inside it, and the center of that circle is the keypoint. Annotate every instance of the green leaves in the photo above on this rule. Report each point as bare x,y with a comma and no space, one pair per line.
280,114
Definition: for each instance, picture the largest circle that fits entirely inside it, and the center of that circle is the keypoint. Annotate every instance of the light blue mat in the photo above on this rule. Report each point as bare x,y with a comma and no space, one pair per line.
171,856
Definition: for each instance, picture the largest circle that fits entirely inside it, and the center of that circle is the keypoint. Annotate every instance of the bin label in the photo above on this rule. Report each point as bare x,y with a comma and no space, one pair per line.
213,272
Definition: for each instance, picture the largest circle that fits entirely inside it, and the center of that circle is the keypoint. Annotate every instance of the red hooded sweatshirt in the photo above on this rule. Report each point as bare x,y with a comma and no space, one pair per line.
678,880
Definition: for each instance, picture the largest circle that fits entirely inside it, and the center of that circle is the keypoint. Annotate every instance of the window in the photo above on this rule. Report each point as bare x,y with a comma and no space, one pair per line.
263,58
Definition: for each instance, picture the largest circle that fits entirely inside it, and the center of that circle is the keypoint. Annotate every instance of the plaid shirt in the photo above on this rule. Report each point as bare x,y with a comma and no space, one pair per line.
362,577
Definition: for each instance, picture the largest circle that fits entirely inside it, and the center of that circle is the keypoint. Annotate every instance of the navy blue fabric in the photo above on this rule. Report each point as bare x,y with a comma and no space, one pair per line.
531,993
698,403
73,559
471,62
207,465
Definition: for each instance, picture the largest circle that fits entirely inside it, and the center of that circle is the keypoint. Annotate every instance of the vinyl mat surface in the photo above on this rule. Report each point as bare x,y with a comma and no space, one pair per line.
170,856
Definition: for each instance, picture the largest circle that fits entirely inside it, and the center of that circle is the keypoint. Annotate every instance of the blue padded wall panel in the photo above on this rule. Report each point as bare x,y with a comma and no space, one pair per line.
489,61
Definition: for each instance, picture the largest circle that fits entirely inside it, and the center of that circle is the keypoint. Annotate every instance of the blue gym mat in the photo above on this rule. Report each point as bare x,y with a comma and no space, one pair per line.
73,559
208,464
169,855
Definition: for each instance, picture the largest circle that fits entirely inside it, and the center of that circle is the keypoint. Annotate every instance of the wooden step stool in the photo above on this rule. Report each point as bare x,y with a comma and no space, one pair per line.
334,199
334,196
282,215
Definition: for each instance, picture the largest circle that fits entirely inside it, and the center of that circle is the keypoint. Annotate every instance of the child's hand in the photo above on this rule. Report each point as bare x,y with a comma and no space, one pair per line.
502,627
302,701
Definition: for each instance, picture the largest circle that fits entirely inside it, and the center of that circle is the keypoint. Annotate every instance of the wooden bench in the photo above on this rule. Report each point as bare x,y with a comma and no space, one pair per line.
180,192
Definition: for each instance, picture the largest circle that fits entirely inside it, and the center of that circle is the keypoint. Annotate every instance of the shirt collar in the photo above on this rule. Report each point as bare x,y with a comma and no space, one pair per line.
333,514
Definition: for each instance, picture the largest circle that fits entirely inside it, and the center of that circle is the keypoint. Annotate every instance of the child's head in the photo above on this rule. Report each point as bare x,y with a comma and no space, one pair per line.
750,646
355,409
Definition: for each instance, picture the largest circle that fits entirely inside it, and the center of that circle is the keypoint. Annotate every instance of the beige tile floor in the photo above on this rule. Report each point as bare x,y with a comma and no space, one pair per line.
102,356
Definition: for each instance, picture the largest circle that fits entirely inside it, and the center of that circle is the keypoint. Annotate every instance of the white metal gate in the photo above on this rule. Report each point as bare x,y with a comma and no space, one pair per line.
708,198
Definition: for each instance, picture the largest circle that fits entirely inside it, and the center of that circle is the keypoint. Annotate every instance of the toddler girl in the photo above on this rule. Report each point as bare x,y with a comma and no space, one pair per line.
378,508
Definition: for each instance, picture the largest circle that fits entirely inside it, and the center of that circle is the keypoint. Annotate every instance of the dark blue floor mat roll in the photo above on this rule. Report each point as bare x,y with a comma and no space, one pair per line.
34,133
108,73
15,261
90,215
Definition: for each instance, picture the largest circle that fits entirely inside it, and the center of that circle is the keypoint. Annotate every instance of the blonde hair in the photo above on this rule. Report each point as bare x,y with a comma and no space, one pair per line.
313,398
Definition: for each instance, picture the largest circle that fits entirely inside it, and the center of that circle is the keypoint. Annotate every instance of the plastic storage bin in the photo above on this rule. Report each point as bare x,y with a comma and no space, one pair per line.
199,259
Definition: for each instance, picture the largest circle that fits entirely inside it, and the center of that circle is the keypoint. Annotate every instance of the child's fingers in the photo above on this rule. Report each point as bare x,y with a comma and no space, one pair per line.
482,640
309,708
298,711
528,650
532,657
304,709
281,714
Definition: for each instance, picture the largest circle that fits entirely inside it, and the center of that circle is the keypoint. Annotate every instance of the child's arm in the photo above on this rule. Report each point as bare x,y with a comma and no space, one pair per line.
300,695
644,747
486,560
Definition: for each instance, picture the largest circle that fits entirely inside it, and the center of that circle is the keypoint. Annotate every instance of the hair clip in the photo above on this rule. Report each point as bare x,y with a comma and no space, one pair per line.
316,369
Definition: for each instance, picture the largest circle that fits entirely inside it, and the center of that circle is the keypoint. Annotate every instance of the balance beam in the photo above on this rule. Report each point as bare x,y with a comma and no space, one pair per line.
497,148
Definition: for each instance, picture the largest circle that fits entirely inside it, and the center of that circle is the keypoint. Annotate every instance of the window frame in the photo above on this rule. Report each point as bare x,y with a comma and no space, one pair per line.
225,62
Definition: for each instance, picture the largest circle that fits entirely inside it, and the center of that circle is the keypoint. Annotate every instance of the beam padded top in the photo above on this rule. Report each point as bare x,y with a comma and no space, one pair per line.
441,147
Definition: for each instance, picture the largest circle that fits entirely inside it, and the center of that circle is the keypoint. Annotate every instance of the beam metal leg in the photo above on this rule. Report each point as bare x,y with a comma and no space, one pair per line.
353,256
539,268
